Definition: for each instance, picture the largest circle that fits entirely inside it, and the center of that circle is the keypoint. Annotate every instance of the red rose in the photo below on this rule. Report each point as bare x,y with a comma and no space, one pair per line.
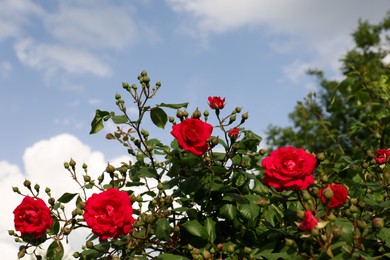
233,133
288,168
308,222
340,194
216,102
382,156
109,213
32,217
192,135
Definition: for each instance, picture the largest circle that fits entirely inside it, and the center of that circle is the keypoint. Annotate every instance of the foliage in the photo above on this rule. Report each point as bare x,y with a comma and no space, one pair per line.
216,205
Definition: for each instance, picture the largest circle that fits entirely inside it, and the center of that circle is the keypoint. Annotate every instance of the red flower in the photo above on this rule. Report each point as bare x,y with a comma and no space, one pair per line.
382,156
233,133
32,217
192,135
308,222
288,168
216,102
340,194
109,213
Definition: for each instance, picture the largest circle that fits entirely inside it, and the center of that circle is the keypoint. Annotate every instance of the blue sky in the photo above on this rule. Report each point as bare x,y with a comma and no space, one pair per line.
61,60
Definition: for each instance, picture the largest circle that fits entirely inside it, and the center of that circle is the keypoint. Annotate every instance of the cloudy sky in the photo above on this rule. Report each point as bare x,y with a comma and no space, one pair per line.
61,60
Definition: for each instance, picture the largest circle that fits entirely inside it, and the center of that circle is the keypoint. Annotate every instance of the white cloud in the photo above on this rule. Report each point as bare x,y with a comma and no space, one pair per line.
52,58
14,15
43,163
93,24
321,28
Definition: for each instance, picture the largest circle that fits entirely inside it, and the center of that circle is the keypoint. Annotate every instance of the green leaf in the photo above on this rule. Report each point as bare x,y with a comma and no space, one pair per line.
168,256
66,197
55,228
119,119
249,212
159,117
55,251
229,211
174,106
97,122
162,229
147,172
196,229
210,228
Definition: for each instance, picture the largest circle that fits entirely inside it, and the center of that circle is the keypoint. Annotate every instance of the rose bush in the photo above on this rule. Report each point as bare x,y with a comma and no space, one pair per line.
109,213
32,217
212,193
288,168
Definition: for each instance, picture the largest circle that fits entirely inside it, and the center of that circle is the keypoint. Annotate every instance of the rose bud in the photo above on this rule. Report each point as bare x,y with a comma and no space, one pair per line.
216,102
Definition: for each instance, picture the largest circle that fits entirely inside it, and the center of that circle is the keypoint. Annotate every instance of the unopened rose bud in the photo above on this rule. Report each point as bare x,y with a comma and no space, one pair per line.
72,163
37,187
27,183
245,116
16,189
185,113
11,232
110,169
117,96
238,109
289,242
51,201
220,247
300,214
179,114
66,231
230,248
206,113
247,250
361,224
86,178
378,223
361,204
232,119
171,119
89,244
196,114
76,254
214,141
144,132
332,217
354,209
66,165
320,156
85,166
328,193
262,151
206,254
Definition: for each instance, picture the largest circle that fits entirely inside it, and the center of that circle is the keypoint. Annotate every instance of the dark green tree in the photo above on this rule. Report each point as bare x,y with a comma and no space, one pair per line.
351,117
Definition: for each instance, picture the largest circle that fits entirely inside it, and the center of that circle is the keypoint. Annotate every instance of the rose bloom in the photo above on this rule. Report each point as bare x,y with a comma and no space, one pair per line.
288,168
233,133
340,194
308,222
32,217
216,102
382,156
192,135
109,213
